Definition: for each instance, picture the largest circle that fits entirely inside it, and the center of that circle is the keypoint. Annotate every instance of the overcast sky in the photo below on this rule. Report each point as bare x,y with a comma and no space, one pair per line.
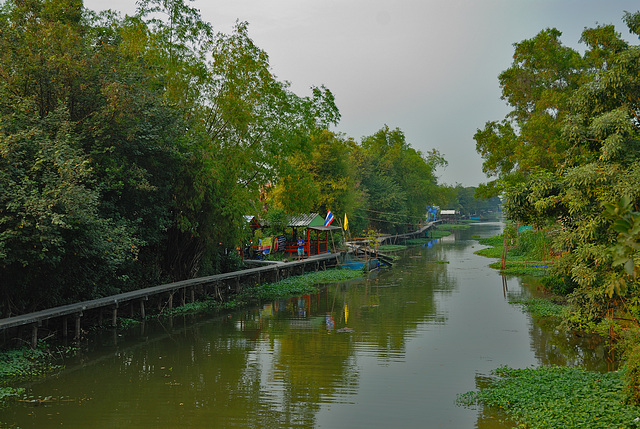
427,67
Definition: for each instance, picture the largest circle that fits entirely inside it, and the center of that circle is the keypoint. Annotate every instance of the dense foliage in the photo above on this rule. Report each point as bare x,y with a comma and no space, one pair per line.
132,148
572,167
567,161
467,203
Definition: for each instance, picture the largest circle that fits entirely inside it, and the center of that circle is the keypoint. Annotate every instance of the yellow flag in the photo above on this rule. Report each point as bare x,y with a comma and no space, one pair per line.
346,222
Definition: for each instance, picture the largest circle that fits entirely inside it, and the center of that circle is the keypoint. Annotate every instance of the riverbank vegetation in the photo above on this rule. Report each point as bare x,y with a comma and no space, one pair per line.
291,286
25,363
557,398
526,253
132,148
565,161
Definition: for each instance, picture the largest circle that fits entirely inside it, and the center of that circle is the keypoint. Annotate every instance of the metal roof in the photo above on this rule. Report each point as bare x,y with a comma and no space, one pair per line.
304,220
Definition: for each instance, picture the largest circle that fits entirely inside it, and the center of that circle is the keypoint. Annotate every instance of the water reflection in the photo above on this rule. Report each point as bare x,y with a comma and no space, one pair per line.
390,350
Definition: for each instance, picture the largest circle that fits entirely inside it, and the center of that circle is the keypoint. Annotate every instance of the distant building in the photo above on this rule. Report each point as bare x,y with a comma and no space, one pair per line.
449,216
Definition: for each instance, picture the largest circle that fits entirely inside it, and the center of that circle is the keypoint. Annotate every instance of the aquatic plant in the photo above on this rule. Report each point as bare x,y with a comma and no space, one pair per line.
450,226
540,307
126,323
27,364
557,398
522,268
10,392
391,247
296,285
304,284
435,234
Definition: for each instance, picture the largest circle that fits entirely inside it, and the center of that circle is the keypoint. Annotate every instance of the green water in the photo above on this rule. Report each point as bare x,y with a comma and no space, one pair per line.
389,351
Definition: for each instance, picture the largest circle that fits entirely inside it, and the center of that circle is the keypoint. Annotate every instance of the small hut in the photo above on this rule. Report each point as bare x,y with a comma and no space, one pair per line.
311,227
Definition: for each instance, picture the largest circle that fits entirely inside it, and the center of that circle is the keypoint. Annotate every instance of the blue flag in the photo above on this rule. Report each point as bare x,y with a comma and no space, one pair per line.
328,219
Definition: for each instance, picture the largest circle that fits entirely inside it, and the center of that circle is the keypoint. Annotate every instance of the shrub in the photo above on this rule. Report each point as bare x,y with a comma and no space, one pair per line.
558,285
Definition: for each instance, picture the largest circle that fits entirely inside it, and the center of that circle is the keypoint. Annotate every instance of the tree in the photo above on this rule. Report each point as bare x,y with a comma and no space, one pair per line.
54,245
590,191
240,127
537,87
398,181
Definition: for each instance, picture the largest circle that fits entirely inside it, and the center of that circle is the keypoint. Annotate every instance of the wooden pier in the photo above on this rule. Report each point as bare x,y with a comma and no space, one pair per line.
220,286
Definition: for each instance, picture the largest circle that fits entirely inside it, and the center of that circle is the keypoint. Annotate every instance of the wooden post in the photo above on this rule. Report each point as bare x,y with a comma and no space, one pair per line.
193,294
64,328
170,304
34,335
78,326
142,312
114,316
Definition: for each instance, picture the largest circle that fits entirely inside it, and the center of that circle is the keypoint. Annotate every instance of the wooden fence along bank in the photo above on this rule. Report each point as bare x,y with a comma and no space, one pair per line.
135,303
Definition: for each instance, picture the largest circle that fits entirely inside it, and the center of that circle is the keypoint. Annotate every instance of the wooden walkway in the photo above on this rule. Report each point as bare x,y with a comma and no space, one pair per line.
220,285
361,247
395,238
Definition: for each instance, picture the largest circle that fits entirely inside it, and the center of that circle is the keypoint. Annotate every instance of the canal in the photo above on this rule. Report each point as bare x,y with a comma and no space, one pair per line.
390,350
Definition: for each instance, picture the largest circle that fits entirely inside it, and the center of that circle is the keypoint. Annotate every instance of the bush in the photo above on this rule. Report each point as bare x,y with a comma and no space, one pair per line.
532,244
558,285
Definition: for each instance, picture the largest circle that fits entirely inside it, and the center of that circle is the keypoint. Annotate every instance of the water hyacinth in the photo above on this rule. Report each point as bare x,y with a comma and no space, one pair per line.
307,283
557,398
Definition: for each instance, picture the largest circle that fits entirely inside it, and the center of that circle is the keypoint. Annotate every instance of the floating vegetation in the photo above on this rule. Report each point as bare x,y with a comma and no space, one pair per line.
296,285
391,247
126,323
557,398
196,307
10,393
522,268
24,364
441,262
304,284
451,226
540,308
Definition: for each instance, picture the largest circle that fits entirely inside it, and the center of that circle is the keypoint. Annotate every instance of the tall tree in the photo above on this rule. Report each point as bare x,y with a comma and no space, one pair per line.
537,87
399,182
592,192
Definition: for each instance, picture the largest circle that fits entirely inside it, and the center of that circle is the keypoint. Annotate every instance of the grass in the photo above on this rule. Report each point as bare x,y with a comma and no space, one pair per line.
518,262
557,398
